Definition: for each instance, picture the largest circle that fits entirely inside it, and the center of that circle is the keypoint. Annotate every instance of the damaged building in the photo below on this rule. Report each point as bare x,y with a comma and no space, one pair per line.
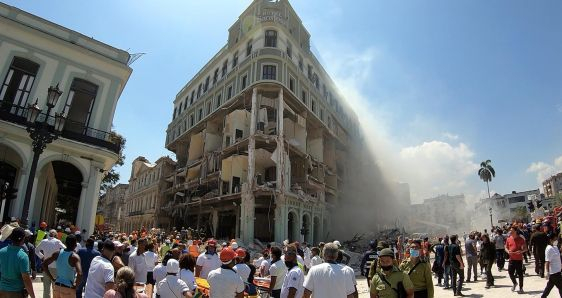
260,135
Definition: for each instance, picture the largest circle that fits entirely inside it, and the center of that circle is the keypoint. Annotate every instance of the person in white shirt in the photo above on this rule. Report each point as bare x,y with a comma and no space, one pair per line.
207,261
187,265
277,271
172,286
224,281
552,266
241,267
137,262
151,259
307,255
293,282
316,259
45,249
328,280
265,264
101,273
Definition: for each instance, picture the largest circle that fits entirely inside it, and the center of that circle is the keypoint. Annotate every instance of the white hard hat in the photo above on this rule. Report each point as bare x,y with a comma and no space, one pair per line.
336,242
234,245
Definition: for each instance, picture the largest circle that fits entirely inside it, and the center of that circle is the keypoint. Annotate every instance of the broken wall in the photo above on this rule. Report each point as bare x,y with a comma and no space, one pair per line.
236,127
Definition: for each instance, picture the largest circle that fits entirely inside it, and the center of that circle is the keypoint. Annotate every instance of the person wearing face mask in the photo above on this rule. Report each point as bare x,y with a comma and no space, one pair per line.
553,266
208,261
419,272
390,281
293,283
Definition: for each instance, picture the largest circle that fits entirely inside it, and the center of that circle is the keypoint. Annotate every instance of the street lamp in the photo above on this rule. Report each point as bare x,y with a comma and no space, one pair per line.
41,133
491,222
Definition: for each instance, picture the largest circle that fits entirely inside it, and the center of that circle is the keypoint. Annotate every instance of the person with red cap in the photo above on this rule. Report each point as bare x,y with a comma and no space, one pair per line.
241,268
207,261
224,281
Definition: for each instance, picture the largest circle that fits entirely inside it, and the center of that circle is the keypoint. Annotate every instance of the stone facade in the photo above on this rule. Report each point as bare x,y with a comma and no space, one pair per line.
111,206
553,186
34,55
260,135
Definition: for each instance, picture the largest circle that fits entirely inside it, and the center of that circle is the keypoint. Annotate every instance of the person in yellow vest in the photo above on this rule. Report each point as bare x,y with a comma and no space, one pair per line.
386,281
419,271
41,233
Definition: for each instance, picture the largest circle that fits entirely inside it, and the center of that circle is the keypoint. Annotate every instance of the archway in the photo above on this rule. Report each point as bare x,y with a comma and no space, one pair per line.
306,231
10,166
58,193
316,229
292,227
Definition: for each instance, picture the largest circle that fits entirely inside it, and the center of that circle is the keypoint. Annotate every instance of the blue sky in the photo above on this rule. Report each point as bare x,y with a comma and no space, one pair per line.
447,83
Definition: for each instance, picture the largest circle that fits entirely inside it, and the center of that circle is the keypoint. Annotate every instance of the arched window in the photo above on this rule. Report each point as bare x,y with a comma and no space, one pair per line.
271,38
17,85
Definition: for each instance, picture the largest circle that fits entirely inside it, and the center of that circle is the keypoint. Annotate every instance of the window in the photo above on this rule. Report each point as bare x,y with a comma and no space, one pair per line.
292,84
249,48
191,120
175,110
244,81
321,114
179,110
313,106
209,107
235,59
309,71
229,92
199,90
200,115
269,72
303,96
206,84
215,76
17,85
271,38
289,50
224,67
300,63
218,101
192,97
79,104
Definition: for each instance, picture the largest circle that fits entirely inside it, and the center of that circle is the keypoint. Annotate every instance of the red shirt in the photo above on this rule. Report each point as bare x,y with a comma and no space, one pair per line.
515,244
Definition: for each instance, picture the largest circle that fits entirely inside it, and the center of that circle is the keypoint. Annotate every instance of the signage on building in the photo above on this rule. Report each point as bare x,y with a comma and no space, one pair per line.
271,15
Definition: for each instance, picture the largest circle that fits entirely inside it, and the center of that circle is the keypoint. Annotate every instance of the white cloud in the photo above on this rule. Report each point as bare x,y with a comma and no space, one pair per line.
544,170
450,136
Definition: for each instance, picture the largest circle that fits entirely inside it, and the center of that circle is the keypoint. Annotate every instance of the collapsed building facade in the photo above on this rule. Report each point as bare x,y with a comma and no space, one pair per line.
260,135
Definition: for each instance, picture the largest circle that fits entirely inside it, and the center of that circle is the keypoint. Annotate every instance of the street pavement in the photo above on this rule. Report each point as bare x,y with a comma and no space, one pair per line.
534,286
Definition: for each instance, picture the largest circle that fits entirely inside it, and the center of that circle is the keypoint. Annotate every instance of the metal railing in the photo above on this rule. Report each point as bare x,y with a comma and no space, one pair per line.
72,130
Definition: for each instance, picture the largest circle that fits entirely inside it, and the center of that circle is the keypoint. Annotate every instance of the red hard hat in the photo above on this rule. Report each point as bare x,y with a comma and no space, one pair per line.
43,224
240,253
227,255
212,243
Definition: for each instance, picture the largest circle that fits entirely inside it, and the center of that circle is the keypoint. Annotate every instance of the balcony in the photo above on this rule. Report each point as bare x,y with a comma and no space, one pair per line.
133,213
72,130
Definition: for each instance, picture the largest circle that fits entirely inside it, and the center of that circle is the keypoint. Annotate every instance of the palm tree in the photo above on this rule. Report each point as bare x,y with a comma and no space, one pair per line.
486,173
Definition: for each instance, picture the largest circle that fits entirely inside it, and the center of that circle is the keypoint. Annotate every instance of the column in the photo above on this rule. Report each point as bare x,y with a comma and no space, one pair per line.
281,217
81,204
247,202
32,201
215,221
91,200
281,179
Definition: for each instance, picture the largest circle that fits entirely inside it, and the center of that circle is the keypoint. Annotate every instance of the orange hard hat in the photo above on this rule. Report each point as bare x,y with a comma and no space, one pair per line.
240,253
43,224
227,255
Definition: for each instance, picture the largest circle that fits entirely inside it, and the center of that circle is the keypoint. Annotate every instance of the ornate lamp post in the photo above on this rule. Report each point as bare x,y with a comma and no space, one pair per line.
42,133
491,222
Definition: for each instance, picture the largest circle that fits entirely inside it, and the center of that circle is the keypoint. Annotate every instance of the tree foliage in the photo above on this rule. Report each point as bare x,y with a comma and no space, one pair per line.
112,176
486,171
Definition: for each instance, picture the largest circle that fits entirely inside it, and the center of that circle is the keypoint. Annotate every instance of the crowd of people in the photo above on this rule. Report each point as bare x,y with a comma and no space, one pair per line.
178,264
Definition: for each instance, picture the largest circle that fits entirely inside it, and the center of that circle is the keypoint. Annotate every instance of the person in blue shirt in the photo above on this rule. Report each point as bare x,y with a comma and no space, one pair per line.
14,265
86,254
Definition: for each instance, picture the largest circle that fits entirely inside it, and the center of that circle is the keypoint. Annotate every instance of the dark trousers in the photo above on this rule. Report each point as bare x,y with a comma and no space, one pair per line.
553,280
489,276
457,284
515,268
276,293
539,261
472,261
500,258
420,294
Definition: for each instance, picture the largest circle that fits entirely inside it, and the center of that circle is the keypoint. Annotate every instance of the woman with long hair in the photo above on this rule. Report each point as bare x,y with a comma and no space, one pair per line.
124,285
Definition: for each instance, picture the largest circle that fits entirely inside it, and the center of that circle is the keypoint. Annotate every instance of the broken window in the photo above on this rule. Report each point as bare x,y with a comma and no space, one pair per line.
17,85
79,104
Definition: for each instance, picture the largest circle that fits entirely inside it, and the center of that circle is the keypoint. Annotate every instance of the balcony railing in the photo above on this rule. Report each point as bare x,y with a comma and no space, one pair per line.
72,130
133,213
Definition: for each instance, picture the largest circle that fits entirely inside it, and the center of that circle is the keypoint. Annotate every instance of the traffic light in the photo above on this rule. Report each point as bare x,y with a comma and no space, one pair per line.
539,203
531,206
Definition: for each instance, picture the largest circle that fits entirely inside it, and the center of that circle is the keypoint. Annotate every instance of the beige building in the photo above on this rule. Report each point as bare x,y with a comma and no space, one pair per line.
260,134
552,186
34,55
111,206
144,195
